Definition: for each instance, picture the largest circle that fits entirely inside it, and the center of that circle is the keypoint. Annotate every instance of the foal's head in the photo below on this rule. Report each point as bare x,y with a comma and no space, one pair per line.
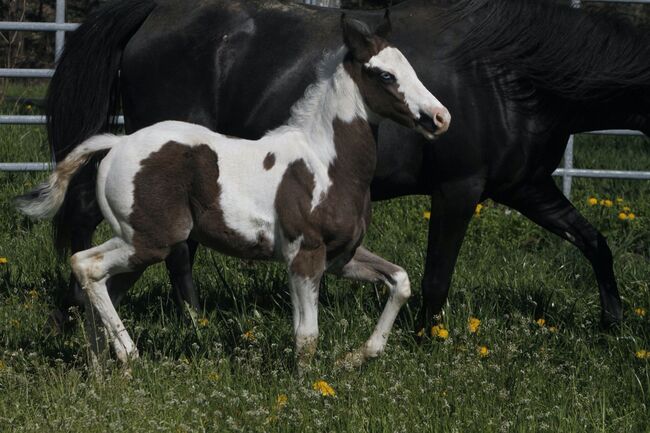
388,83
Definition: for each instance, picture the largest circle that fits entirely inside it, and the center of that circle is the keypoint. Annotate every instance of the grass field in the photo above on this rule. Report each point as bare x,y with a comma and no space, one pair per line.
545,367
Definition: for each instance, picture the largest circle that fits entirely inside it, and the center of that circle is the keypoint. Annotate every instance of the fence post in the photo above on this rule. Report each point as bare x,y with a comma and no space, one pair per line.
567,179
60,34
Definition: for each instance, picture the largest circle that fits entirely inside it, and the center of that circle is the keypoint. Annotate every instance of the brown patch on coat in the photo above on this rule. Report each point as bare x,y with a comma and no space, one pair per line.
176,194
340,220
269,161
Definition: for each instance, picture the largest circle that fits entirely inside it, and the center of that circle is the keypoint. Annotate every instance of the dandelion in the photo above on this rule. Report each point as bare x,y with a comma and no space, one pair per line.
214,376
483,351
478,209
619,200
642,354
607,203
281,401
440,332
631,216
541,321
248,335
626,209
203,322
593,201
33,294
420,333
552,329
426,215
640,311
3,261
28,107
324,388
622,216
473,324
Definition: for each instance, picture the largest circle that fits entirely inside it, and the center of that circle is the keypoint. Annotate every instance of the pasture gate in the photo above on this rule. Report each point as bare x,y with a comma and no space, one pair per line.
59,26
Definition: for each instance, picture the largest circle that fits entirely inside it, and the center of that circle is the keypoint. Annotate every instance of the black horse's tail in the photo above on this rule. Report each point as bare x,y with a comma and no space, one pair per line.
84,92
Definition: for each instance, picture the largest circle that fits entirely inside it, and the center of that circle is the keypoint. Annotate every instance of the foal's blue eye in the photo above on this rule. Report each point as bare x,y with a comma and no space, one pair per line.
387,77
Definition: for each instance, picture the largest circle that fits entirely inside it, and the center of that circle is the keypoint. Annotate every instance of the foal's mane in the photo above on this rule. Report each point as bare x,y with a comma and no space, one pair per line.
570,54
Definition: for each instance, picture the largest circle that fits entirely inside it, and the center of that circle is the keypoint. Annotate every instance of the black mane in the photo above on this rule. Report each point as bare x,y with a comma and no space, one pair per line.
570,54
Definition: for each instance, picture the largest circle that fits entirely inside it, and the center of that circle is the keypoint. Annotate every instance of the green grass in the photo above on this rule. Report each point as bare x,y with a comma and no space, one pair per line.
510,273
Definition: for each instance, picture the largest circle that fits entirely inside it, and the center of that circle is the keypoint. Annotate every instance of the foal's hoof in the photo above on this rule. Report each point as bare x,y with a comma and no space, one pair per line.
352,360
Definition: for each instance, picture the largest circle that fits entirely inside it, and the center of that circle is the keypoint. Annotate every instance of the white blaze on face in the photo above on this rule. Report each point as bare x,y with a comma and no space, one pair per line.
417,97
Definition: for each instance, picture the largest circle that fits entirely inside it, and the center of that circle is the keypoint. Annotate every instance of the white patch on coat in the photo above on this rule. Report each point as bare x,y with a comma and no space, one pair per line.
417,97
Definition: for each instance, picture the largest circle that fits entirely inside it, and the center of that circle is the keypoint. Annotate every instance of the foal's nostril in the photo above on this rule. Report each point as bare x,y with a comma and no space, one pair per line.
427,123
440,119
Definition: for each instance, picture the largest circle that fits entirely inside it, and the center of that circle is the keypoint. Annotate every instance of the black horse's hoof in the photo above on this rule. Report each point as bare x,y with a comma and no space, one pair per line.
611,321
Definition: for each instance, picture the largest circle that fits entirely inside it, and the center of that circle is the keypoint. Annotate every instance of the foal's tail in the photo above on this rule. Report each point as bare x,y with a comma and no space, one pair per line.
45,200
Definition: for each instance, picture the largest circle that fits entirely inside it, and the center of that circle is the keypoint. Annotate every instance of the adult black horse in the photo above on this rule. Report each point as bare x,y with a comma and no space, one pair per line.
519,76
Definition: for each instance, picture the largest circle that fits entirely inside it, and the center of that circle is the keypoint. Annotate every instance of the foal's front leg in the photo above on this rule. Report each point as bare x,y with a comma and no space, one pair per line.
305,272
366,266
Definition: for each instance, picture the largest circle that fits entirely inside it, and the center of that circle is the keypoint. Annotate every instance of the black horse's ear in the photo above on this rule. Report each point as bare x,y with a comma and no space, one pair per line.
357,38
384,29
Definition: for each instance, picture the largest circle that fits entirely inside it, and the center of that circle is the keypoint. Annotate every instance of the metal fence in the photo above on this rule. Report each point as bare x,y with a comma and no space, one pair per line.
567,172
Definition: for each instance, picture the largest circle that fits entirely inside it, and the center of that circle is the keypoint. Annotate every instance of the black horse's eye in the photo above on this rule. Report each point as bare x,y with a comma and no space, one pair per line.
387,77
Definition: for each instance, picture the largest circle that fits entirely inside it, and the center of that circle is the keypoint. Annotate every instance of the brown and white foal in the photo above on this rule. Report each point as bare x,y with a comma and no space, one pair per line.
300,194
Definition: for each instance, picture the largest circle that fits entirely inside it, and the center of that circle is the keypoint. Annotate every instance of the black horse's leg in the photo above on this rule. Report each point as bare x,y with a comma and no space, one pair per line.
452,207
179,264
543,203
84,217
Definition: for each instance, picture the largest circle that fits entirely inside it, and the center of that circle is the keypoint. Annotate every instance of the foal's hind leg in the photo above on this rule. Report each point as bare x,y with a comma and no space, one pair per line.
545,205
93,268
366,266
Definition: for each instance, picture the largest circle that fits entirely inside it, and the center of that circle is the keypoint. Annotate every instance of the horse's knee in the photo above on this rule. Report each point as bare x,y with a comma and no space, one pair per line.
401,288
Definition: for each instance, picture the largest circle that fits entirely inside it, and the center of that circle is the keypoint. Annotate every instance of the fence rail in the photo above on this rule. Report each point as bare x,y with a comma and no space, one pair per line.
567,172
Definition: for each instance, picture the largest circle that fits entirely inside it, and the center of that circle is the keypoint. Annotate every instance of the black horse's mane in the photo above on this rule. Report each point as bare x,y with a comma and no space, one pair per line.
570,54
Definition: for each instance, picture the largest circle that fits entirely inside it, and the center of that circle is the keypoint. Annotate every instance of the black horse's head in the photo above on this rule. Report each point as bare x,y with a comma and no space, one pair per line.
387,81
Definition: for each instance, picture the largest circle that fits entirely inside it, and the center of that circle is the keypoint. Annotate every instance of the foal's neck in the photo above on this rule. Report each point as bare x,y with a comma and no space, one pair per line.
334,119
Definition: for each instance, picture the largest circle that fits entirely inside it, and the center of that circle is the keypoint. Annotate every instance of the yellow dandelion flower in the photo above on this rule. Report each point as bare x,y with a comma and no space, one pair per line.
281,401
248,335
203,322
642,354
640,311
3,261
593,201
420,333
214,376
607,203
483,351
426,215
552,329
619,200
541,321
33,294
440,332
478,209
473,324
622,216
626,209
631,216
324,388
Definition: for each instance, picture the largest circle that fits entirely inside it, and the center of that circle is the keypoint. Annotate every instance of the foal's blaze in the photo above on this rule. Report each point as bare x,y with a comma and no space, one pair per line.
300,195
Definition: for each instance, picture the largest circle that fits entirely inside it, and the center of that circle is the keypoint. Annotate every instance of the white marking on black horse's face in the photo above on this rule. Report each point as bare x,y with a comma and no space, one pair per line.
397,86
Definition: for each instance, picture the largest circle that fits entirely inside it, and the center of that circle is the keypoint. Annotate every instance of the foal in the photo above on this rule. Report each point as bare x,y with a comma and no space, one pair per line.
299,195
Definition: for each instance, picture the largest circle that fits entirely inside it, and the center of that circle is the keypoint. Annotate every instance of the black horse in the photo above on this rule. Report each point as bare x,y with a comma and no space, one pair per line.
519,76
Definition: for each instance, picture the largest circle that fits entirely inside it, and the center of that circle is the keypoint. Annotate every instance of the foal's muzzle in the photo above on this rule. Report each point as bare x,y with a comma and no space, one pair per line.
434,124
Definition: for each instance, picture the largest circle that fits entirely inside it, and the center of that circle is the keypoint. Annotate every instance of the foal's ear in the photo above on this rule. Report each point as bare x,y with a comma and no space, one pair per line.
357,38
384,29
